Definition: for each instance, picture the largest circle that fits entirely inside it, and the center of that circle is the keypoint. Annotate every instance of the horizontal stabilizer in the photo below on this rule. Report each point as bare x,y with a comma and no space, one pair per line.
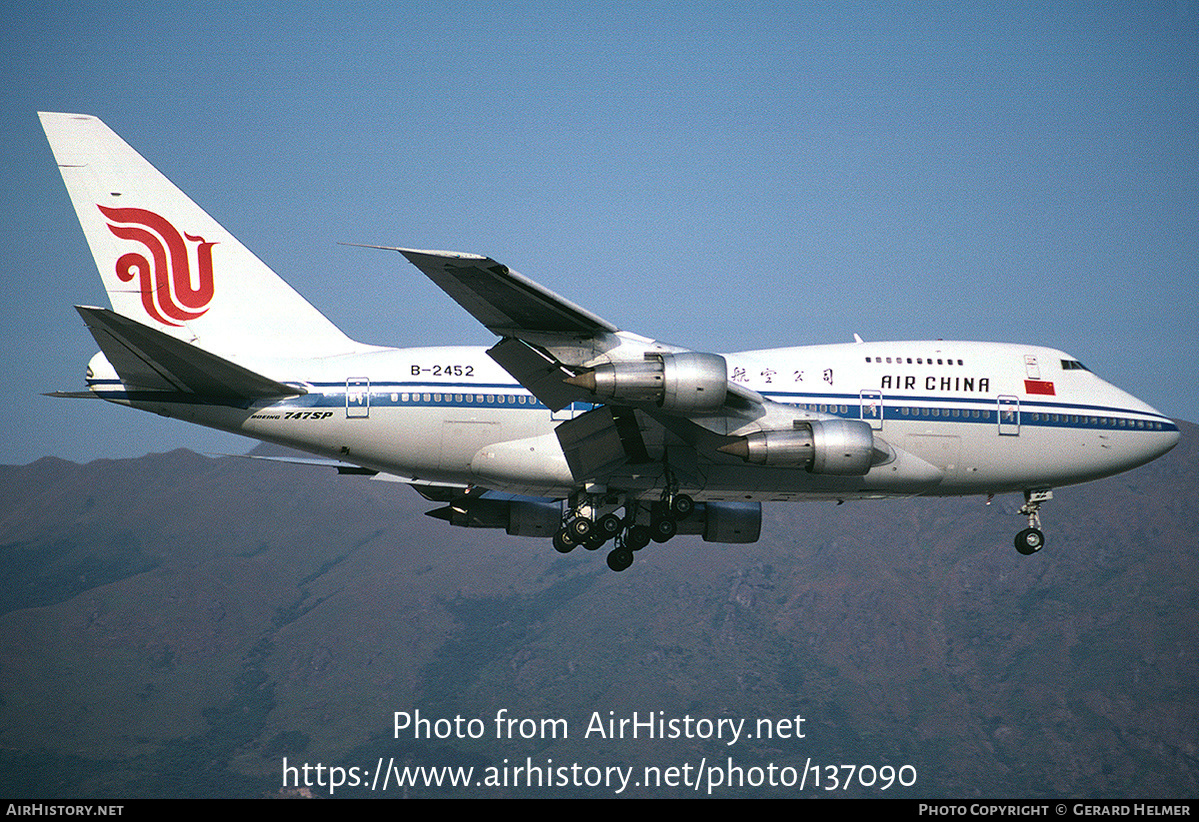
71,395
149,359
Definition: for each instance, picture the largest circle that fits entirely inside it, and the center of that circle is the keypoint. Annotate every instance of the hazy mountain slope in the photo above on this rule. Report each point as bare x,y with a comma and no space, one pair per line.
175,625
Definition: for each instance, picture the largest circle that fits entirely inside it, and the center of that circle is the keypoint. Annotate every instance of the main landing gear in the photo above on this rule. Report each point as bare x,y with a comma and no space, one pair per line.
627,533
1031,539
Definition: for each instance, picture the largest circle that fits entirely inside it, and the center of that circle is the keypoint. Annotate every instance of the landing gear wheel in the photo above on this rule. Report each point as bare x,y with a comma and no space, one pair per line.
580,528
637,537
663,529
609,525
620,559
682,506
1029,541
594,540
562,541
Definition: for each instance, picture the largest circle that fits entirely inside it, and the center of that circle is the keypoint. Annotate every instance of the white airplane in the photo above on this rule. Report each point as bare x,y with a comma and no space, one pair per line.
568,427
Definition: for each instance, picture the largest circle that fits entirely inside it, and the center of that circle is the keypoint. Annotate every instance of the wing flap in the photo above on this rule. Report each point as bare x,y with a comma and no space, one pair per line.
541,374
599,442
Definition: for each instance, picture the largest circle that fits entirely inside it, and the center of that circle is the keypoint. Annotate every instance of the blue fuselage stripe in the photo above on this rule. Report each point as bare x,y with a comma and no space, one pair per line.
970,410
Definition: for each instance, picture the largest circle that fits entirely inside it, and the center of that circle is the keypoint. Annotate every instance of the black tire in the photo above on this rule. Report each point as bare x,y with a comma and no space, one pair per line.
609,525
637,537
595,540
682,506
562,541
580,528
620,559
663,529
1029,541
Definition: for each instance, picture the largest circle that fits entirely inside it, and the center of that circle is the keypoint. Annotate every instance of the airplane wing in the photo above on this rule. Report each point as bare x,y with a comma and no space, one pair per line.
429,489
507,303
528,316
516,308
562,352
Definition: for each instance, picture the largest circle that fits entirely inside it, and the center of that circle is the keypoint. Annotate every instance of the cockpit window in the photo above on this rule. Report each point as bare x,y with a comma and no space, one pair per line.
1073,365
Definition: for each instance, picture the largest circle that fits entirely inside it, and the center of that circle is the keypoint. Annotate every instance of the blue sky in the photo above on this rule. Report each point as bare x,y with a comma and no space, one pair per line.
721,176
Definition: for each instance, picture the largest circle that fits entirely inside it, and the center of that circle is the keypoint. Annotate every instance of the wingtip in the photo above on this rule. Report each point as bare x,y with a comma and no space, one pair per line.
419,252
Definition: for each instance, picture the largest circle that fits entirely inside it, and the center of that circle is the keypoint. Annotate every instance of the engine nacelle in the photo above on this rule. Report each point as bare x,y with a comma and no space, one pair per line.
732,521
724,521
688,382
837,447
533,518
519,517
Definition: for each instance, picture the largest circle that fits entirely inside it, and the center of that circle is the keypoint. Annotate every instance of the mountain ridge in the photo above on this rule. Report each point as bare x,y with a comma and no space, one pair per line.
176,624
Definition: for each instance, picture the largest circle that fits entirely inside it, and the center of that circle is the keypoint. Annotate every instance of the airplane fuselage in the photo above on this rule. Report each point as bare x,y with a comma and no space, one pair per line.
960,417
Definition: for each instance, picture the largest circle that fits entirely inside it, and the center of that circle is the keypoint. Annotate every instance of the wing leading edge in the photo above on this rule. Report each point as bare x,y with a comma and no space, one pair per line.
507,303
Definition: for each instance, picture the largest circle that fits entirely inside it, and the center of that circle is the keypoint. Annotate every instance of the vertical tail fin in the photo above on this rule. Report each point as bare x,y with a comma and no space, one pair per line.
167,264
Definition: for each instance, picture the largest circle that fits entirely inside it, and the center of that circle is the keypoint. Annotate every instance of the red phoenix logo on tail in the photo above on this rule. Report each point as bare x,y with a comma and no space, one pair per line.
169,293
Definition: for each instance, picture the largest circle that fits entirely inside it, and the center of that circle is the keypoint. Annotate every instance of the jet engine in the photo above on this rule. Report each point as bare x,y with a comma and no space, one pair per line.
688,382
838,447
731,521
519,517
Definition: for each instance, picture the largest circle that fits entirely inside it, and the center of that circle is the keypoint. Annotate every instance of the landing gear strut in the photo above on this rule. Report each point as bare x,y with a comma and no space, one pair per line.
1031,539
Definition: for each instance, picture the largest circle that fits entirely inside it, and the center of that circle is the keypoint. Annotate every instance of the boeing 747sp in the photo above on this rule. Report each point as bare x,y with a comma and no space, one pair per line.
568,427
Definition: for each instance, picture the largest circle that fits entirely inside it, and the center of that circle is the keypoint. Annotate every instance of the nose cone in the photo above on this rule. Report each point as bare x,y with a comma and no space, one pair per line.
1142,433
1163,441
1155,438
1163,432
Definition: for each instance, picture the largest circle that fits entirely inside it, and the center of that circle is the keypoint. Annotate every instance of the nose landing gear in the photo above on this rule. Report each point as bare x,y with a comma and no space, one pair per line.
1031,539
